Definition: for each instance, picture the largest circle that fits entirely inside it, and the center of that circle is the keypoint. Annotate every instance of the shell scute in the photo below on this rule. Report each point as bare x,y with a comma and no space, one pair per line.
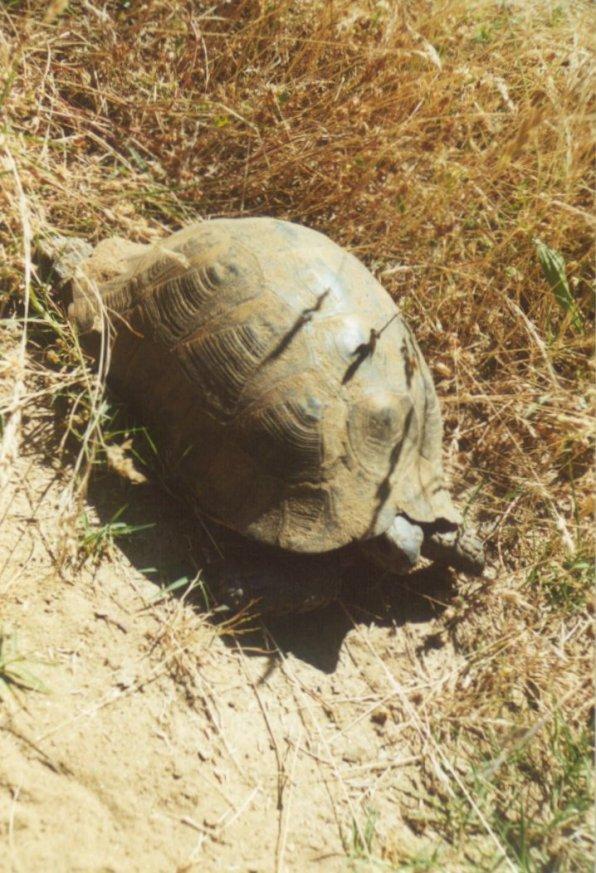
287,437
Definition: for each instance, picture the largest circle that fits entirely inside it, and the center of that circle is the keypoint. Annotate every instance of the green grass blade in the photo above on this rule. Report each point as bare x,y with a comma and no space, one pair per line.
553,267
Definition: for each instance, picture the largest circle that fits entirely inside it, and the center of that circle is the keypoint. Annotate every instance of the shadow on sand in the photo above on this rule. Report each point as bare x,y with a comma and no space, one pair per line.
176,545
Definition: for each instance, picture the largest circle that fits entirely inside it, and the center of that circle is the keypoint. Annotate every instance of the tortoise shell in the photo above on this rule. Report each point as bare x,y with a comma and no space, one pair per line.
288,394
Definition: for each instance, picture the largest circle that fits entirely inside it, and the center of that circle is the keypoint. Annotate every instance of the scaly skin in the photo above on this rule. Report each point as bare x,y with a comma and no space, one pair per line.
61,255
460,549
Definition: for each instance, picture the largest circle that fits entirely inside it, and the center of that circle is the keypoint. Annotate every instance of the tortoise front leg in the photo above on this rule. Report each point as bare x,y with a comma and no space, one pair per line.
275,583
460,549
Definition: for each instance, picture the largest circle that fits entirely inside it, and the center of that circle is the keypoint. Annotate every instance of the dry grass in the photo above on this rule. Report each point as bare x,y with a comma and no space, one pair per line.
439,142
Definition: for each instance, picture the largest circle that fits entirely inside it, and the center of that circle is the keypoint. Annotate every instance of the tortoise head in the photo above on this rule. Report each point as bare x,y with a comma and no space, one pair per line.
397,550
401,546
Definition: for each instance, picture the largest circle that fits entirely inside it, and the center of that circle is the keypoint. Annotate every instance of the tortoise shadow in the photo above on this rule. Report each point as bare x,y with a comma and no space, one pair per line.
172,545
317,637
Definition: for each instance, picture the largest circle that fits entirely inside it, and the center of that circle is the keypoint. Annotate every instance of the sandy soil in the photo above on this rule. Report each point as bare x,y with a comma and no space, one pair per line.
161,743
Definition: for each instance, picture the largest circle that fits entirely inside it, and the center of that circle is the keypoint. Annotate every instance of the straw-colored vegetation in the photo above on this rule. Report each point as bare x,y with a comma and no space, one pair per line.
447,144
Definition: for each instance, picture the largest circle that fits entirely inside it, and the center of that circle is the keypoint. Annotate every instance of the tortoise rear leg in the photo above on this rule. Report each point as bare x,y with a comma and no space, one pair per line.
62,256
90,274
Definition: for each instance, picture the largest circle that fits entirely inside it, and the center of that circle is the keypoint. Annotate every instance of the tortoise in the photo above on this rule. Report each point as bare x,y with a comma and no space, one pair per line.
289,396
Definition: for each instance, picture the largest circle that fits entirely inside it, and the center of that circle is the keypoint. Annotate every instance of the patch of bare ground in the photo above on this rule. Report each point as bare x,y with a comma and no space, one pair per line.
441,725
148,742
